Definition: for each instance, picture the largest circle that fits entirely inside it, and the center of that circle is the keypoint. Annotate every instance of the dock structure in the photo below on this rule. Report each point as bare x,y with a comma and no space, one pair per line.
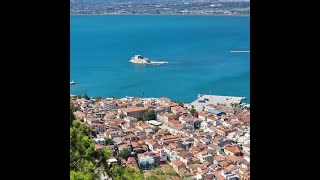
204,100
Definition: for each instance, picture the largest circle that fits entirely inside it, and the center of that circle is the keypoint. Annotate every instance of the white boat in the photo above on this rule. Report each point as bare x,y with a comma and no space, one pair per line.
72,82
138,59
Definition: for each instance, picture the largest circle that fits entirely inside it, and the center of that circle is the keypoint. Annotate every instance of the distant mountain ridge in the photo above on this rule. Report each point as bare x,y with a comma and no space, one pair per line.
150,1
160,7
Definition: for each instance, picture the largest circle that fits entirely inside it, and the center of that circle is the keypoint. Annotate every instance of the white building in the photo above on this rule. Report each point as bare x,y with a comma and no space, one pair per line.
163,154
130,119
100,141
145,161
114,134
217,123
99,127
108,105
229,175
204,125
91,120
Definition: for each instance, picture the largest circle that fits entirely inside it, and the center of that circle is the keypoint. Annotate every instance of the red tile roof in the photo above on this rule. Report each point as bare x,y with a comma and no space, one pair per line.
151,141
224,163
218,175
131,159
135,108
177,163
144,126
233,148
98,146
183,154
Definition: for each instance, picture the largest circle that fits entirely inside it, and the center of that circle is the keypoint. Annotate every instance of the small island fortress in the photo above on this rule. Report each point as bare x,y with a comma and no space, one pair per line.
138,59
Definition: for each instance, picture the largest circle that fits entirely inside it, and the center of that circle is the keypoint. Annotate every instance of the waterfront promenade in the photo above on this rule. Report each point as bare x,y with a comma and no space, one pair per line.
204,100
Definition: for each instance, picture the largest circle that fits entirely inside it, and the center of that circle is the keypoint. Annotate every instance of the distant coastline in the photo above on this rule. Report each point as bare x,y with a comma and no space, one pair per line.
160,7
160,14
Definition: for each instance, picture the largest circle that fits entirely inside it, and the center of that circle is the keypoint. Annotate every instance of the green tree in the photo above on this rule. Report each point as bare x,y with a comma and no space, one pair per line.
149,115
180,104
101,157
158,171
122,115
109,141
106,154
138,176
83,158
124,154
129,173
80,175
152,178
126,173
72,110
116,172
193,111
81,152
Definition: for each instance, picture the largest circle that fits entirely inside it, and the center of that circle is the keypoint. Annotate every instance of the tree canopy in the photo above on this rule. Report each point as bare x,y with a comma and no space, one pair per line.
149,115
152,178
109,141
126,173
81,150
124,154
80,175
83,158
193,111
72,110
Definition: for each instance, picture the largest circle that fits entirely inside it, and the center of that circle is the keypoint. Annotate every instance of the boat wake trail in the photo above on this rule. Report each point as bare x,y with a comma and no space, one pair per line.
159,62
240,51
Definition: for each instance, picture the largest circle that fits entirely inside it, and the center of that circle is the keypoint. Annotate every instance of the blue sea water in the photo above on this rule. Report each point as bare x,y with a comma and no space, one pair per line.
196,47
